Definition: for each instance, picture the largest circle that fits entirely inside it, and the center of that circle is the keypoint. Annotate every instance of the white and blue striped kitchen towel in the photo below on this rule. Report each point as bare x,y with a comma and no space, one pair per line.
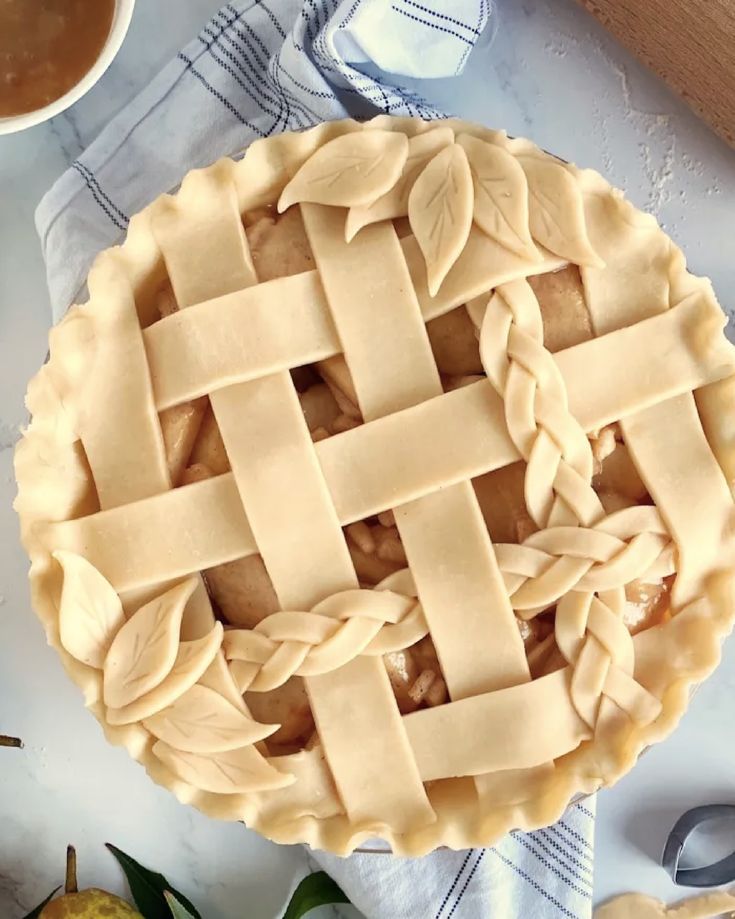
542,875
258,68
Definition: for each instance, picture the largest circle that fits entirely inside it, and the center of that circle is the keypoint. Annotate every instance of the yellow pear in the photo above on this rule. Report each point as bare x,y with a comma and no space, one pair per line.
92,903
89,904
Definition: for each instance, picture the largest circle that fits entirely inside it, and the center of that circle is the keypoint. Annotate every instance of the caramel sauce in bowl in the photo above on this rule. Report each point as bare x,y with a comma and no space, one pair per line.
52,52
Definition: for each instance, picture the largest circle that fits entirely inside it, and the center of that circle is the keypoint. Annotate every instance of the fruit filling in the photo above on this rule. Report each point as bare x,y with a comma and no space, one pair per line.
241,591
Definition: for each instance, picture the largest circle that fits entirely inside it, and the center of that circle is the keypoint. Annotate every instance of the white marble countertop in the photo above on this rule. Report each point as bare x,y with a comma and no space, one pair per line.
551,74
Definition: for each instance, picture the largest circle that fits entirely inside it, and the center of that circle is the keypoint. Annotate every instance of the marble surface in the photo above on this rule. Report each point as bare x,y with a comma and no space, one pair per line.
552,74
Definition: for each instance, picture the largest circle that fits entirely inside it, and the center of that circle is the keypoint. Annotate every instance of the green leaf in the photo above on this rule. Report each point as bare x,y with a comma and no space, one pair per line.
316,889
177,910
149,888
35,913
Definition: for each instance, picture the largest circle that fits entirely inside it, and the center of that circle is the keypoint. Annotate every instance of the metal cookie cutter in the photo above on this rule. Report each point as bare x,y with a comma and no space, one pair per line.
721,872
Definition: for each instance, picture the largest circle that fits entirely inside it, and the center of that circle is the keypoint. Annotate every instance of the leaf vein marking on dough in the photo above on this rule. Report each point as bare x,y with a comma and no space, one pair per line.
230,770
438,227
204,719
86,602
501,221
547,208
139,653
353,162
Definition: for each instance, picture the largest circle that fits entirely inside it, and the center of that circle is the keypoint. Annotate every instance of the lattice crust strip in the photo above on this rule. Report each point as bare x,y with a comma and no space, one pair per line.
116,552
394,460
280,482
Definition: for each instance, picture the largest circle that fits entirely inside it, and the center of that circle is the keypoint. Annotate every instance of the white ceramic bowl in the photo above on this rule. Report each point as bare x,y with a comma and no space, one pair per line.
120,22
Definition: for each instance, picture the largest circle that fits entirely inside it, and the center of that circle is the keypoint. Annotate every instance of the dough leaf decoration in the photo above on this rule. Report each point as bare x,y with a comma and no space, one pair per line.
145,649
352,170
556,211
501,196
90,611
192,660
639,906
440,212
228,772
202,721
394,203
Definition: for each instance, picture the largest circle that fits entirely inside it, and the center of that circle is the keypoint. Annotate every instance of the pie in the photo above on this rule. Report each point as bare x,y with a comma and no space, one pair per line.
383,486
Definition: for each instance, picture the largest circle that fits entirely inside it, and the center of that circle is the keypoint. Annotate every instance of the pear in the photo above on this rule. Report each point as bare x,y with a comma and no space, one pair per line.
92,903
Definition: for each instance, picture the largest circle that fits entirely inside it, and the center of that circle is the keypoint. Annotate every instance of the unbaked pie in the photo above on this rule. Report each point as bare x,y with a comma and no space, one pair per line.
383,486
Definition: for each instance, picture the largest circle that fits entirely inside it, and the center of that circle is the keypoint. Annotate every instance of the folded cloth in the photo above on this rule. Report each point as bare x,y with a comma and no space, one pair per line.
256,69
542,875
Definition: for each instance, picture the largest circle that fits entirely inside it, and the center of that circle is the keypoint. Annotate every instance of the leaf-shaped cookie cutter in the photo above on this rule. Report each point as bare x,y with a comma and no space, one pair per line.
721,872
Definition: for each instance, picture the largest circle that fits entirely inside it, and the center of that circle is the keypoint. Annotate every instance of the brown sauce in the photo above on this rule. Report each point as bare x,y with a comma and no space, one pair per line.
46,47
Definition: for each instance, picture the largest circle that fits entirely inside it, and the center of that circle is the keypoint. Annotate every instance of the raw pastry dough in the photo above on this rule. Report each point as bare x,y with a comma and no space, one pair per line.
639,906
337,446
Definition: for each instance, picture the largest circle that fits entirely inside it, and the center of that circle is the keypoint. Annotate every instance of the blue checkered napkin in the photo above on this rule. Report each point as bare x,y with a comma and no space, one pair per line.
256,69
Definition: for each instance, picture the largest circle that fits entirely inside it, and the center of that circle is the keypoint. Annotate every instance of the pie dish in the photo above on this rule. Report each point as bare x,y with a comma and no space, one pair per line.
383,486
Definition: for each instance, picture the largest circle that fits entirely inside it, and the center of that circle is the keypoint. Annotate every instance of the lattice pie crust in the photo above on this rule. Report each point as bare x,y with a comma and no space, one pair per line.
404,222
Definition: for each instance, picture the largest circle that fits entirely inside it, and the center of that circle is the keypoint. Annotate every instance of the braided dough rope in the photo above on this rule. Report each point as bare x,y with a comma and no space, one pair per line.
628,545
630,272
576,553
335,631
594,640
558,485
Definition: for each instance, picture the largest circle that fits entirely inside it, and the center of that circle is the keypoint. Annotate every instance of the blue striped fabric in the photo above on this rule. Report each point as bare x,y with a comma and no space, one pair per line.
258,68
542,875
